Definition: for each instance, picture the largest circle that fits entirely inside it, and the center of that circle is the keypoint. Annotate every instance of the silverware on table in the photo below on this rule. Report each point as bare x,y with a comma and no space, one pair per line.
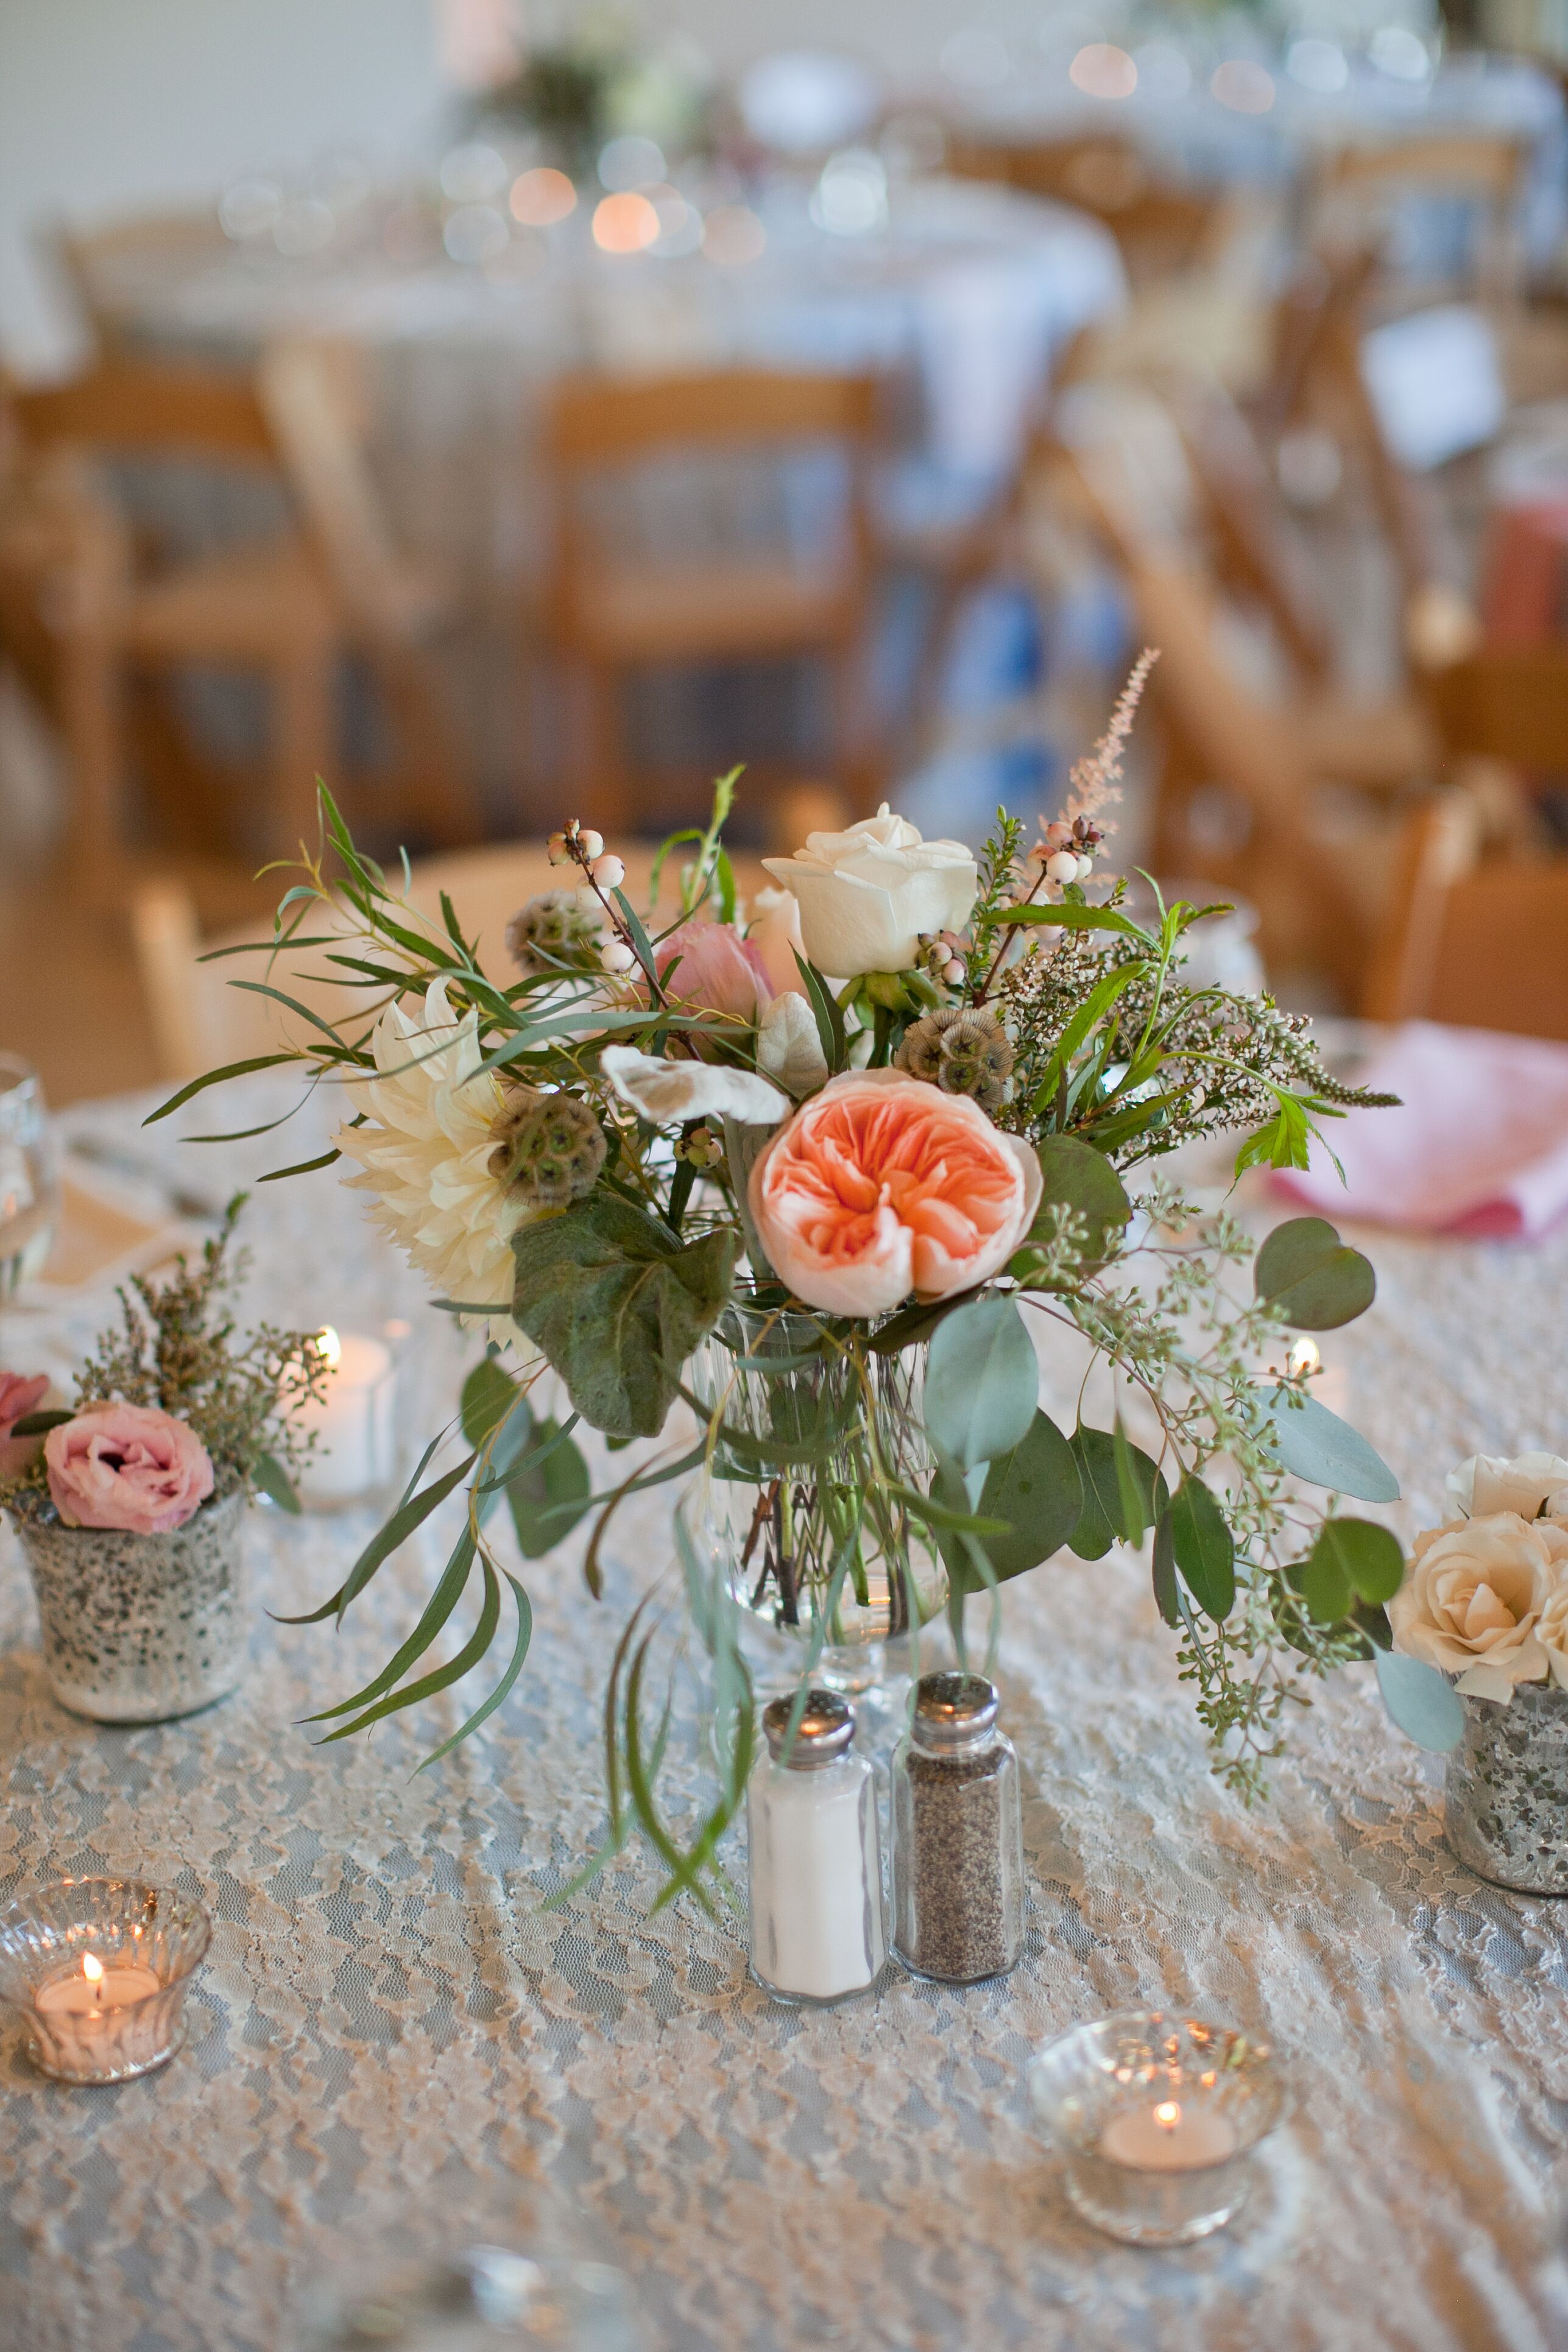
183,1203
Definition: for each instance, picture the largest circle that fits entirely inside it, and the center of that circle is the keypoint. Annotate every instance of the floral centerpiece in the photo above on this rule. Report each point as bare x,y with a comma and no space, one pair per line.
815,1175
127,1505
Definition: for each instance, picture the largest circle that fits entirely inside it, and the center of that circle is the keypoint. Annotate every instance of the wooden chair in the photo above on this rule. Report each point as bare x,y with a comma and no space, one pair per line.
612,613
1480,943
88,261
1161,228
1357,190
289,608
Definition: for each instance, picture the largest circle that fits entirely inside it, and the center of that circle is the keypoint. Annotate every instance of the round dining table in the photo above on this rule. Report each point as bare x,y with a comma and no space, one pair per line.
413,2006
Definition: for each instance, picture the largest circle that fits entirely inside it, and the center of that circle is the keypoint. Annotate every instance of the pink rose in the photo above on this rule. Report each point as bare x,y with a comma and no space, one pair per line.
718,972
881,1185
127,1465
20,1394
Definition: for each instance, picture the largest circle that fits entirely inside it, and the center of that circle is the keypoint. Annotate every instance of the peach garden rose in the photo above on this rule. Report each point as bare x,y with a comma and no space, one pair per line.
1473,1599
128,1467
882,1185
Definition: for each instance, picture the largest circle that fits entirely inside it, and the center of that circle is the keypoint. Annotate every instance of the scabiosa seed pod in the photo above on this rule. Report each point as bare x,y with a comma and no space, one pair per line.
547,1148
962,1053
553,931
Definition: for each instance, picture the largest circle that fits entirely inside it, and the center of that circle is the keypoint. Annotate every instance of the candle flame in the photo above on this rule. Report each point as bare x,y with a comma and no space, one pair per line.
329,1347
1168,2114
1304,1356
91,1966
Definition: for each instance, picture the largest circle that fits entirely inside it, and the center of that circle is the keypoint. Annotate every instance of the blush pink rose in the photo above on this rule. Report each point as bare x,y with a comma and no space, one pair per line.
20,1394
775,936
127,1465
881,1185
718,972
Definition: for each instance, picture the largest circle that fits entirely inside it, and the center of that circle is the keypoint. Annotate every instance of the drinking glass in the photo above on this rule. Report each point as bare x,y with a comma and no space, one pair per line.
29,1178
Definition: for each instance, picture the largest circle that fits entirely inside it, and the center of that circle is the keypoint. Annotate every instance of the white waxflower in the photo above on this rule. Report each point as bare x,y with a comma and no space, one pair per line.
424,1153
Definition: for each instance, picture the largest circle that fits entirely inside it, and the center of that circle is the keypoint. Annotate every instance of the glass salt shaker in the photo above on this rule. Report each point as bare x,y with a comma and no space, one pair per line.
817,1929
958,1835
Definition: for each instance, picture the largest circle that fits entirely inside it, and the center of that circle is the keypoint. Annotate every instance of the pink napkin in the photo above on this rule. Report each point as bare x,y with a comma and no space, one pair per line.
1480,1145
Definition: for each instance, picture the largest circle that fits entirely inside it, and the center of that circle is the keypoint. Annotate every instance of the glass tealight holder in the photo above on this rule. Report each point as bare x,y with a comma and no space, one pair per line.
1158,2116
98,1969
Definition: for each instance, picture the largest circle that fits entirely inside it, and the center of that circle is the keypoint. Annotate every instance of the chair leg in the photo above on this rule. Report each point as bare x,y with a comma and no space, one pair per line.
92,698
608,794
302,741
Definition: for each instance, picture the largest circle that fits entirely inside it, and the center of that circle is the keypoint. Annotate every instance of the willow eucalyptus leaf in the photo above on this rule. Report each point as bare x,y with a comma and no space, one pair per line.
981,1382
1313,1444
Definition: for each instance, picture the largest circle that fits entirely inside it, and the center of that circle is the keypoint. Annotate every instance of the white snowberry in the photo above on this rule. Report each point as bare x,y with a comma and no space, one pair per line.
1062,867
616,956
591,845
1085,868
609,872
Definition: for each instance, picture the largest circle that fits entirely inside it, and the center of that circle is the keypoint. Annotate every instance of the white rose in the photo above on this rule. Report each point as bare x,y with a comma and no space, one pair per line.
1473,1597
867,895
1490,1482
789,1047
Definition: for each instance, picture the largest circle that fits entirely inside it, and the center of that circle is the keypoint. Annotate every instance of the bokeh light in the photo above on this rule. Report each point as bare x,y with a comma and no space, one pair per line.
1316,65
1102,71
631,163
732,235
851,197
680,223
472,174
542,196
1243,85
625,224
476,232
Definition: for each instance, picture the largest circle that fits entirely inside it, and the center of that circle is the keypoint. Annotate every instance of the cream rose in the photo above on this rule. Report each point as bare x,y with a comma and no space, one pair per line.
1473,1600
866,896
1491,1482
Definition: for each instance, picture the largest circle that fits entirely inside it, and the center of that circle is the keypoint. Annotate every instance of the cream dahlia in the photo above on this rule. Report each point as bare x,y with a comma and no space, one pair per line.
425,1154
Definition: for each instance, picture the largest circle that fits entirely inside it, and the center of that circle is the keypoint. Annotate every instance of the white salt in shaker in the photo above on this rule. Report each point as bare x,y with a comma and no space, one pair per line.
817,1932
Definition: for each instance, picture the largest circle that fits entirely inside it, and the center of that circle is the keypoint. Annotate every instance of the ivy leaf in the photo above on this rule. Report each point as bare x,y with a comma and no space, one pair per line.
1203,1548
1037,1488
981,1382
1315,1279
1315,1444
1102,1522
618,1304
1421,1701
548,1491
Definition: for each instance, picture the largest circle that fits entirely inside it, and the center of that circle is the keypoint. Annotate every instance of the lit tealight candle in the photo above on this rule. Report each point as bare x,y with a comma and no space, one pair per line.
85,2008
353,1420
1169,2138
1327,1384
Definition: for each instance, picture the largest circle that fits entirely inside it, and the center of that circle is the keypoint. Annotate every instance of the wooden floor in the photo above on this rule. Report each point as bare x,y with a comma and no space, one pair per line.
70,1000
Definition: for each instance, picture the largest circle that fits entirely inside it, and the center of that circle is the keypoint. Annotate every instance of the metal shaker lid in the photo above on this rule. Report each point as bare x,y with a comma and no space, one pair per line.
825,1730
953,1710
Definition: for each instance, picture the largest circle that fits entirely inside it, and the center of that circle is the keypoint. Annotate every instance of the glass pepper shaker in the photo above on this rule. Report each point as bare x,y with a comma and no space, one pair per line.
958,1835
817,1929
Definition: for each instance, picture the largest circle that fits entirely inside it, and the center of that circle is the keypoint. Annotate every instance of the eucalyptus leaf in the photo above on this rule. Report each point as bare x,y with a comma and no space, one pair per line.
619,1304
1079,1178
981,1382
1313,1444
1421,1701
1101,1523
1037,1489
1203,1548
1166,1597
547,1497
489,1393
1316,1281
1368,1558
273,1481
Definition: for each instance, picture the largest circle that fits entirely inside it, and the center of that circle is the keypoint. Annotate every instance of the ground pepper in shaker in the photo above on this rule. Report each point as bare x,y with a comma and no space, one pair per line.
817,1929
958,1837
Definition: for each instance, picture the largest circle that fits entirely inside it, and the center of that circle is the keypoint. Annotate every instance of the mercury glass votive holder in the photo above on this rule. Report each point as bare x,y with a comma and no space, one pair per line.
97,1968
1158,2116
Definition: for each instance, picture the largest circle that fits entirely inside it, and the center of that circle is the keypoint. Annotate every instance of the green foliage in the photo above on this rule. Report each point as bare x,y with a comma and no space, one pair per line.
617,1305
1037,1489
1421,1701
1083,1197
1124,1492
981,1382
1353,1559
1315,1444
1203,1547
1311,1277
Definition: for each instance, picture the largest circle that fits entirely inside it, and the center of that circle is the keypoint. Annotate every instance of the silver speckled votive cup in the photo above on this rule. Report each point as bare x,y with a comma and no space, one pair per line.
138,1629
1507,1790
98,1969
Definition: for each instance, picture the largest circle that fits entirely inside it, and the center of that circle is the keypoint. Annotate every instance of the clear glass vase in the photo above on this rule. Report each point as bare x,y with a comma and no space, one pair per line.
828,1567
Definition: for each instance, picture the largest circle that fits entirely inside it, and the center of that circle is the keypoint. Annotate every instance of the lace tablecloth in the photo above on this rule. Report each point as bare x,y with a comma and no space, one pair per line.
390,2024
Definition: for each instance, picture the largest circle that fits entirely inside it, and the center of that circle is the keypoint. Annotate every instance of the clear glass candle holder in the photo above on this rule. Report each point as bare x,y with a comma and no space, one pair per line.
1158,2116
97,1968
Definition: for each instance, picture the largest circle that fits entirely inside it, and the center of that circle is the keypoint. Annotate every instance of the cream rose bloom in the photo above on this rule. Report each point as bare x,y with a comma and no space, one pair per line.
1474,1598
866,894
1491,1482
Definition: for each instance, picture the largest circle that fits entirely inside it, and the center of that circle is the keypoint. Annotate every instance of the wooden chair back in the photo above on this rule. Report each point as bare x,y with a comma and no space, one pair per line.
1356,186
1482,944
596,422
149,408
1159,227
86,258
1507,703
